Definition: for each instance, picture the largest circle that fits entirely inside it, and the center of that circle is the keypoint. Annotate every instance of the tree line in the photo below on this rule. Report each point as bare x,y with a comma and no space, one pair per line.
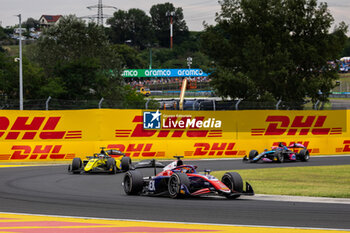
258,50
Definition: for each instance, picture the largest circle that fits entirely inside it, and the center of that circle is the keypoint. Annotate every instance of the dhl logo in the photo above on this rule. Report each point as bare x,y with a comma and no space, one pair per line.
345,148
136,150
26,129
38,152
138,131
214,149
299,125
304,143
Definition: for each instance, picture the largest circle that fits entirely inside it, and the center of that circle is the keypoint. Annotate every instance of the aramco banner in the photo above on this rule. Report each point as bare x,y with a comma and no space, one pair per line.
142,73
29,136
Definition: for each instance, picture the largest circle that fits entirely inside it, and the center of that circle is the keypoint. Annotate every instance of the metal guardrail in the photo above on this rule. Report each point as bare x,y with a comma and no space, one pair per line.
204,93
59,104
217,105
198,104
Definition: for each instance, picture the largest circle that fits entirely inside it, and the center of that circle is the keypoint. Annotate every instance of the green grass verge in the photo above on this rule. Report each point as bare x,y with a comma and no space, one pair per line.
13,50
320,181
344,76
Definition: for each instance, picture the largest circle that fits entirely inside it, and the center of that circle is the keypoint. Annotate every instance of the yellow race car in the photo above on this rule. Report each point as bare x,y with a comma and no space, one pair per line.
101,162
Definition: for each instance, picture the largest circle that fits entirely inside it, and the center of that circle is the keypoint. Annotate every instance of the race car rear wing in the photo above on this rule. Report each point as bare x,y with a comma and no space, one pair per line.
149,164
114,152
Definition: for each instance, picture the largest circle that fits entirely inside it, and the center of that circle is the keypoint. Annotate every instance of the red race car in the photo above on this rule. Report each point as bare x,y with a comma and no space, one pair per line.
179,180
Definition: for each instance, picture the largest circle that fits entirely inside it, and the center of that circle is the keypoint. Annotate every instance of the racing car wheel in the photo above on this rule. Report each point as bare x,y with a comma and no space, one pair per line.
253,154
125,163
279,156
76,165
175,182
234,182
304,155
133,182
111,165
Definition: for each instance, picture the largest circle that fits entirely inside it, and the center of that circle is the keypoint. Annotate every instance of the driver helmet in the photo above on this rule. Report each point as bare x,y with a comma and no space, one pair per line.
101,156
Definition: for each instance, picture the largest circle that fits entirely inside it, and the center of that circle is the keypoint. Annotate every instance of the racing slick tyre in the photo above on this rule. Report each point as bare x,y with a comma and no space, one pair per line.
111,167
253,154
304,155
234,182
279,156
175,182
125,163
133,182
76,165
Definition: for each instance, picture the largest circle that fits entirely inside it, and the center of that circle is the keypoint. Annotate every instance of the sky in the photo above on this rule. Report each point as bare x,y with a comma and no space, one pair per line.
195,11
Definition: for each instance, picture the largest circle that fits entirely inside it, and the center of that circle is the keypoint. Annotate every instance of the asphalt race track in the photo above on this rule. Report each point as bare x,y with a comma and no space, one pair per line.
51,190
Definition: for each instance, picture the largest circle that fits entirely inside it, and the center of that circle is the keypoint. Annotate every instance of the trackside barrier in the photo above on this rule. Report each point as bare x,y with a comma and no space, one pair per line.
31,136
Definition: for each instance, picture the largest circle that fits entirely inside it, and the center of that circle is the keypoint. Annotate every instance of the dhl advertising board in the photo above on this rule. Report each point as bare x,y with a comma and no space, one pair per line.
32,136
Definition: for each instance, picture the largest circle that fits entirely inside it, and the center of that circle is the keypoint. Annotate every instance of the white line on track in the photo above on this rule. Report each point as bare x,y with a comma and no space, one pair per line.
327,200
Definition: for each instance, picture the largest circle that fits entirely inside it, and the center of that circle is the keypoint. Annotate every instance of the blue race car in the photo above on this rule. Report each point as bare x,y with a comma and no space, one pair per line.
280,153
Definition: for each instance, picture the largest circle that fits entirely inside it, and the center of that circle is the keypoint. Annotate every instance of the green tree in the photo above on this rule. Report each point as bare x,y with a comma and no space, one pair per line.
33,78
346,51
31,23
4,39
161,21
82,79
277,48
2,34
132,27
71,40
8,76
129,56
76,59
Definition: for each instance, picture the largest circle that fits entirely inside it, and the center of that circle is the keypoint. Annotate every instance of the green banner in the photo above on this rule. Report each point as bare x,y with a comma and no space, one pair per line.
144,73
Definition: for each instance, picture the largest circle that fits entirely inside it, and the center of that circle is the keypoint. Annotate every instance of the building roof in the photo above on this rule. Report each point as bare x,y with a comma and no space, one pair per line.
51,18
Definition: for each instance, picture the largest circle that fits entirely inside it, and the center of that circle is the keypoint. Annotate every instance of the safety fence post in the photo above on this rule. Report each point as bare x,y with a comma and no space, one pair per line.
47,103
146,105
278,103
237,104
100,103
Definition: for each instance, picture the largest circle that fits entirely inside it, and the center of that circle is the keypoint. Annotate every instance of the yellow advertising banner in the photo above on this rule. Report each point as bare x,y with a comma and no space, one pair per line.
63,135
